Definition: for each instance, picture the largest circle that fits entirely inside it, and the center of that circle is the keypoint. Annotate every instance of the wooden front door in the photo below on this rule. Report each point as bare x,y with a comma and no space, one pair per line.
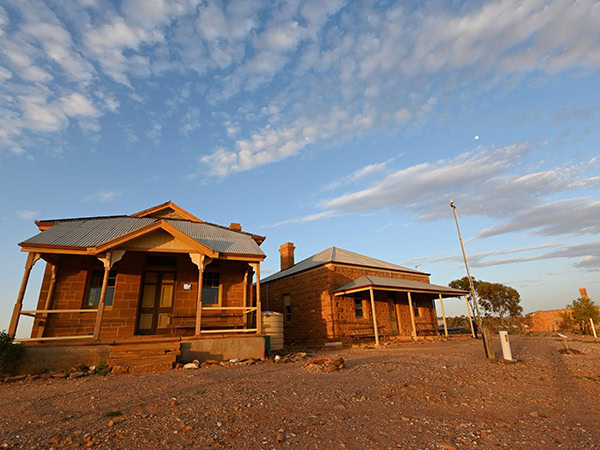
156,303
393,317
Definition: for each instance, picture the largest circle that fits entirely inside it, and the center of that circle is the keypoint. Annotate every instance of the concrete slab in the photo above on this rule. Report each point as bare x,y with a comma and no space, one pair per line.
56,357
222,348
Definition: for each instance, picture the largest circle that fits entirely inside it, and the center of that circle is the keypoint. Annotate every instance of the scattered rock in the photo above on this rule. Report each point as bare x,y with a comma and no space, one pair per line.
59,375
534,414
74,375
340,406
14,378
405,420
119,370
191,365
280,436
326,365
447,445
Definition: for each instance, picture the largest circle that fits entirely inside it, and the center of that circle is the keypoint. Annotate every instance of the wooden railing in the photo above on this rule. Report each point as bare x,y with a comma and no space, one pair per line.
34,312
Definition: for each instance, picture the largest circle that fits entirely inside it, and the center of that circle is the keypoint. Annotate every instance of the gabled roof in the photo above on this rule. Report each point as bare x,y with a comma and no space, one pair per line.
366,282
160,211
340,256
98,233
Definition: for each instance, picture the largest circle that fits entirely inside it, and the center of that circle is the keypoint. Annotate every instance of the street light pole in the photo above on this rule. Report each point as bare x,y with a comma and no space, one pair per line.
487,344
462,246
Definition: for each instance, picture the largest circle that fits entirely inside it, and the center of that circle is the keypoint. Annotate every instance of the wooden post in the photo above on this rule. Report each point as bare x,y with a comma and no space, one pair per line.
593,328
443,315
14,321
398,316
470,319
109,260
412,316
48,304
100,312
245,298
251,295
201,262
258,303
374,314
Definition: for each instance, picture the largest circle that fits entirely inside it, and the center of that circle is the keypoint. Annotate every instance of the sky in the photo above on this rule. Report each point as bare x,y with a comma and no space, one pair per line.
337,123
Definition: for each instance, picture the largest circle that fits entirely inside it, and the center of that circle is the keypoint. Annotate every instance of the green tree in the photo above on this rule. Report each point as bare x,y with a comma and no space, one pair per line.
494,298
498,299
582,310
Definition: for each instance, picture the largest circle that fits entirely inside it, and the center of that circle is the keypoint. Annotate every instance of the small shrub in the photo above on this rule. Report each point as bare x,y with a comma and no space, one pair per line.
9,352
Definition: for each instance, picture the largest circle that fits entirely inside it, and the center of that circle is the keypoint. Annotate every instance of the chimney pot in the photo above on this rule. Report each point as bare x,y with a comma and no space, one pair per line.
235,226
287,255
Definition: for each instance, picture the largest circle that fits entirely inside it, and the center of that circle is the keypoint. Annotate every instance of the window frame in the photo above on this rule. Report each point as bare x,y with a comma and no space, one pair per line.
416,311
287,314
357,309
219,287
88,287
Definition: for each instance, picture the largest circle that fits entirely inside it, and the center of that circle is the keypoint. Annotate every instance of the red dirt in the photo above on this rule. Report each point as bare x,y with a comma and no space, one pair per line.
422,395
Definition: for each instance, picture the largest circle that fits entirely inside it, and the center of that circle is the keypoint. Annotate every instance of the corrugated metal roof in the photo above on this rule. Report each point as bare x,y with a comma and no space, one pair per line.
367,281
218,238
97,231
339,255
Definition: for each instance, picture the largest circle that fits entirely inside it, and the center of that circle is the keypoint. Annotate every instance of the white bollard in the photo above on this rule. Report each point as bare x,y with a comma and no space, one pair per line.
593,328
506,353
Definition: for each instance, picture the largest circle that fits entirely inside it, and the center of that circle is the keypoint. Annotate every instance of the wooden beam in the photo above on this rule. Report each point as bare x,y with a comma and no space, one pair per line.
250,294
374,314
233,330
245,295
470,319
443,315
258,302
398,316
55,338
100,310
14,321
412,316
201,261
48,304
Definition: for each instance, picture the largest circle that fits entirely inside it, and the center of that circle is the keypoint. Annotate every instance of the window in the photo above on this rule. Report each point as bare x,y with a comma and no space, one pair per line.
95,289
210,288
287,307
358,308
416,308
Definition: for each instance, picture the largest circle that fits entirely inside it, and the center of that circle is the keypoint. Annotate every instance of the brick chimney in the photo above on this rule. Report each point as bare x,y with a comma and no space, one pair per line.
287,255
235,226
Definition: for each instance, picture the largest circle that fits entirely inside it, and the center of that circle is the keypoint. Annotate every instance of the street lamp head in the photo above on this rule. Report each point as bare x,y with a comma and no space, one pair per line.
452,204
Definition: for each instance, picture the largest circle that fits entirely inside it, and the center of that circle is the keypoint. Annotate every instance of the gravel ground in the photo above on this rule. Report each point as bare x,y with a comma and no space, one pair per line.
413,395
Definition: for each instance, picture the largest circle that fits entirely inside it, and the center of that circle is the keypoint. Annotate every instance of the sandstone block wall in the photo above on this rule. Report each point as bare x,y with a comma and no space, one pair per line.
119,320
318,315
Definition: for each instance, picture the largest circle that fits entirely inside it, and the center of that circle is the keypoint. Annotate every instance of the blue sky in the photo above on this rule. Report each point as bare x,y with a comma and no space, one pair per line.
323,123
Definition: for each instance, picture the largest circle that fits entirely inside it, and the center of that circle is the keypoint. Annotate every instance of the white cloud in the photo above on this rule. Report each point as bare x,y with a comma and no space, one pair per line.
155,132
587,255
364,172
102,196
26,215
571,216
191,121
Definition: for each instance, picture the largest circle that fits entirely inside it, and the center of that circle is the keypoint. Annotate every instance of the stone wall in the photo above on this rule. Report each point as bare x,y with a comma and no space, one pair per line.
318,316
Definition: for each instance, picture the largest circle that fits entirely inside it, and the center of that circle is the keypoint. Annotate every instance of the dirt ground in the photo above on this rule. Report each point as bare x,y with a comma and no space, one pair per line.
413,395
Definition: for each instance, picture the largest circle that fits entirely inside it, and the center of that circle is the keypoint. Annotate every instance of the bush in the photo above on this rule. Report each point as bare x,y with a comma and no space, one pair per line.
9,352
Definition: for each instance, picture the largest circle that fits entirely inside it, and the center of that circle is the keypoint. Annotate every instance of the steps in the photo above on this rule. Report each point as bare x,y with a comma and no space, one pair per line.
145,357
